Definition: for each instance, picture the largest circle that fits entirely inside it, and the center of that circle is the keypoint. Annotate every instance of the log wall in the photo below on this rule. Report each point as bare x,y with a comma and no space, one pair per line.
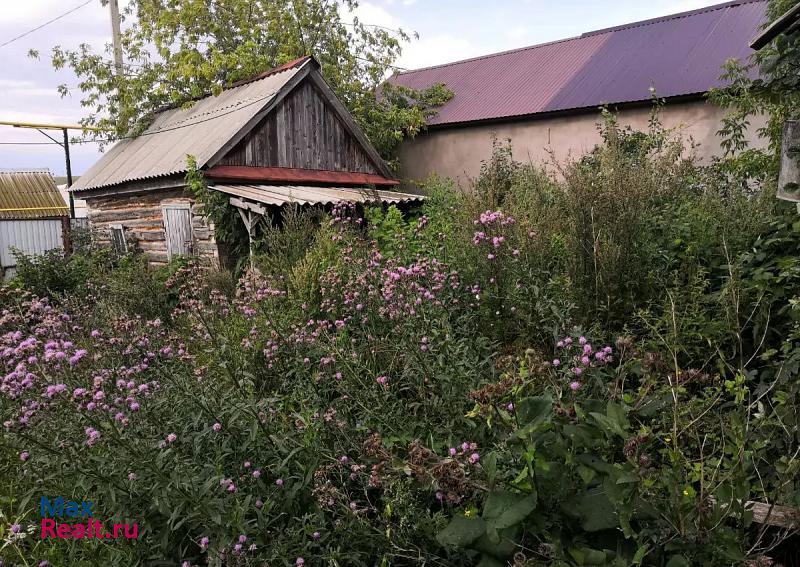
303,131
142,218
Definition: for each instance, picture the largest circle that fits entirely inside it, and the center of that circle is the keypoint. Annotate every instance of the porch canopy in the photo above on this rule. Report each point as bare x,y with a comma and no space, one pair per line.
252,200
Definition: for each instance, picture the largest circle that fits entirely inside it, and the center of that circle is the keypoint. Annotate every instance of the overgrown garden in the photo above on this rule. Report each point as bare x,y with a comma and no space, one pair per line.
597,367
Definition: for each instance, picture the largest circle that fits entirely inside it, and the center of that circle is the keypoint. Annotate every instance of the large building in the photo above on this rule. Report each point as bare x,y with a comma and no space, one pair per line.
546,98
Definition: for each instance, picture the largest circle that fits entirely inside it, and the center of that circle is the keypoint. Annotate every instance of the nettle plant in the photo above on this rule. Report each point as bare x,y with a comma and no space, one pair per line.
611,459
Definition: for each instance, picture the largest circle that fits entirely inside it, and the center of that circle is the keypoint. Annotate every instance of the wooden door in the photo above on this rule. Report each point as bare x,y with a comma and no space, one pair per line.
178,228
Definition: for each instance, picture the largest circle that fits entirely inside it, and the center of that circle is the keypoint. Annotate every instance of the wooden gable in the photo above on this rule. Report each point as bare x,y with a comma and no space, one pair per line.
303,131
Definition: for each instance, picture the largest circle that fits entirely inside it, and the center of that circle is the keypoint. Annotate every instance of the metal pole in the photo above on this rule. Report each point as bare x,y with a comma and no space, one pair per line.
115,36
69,175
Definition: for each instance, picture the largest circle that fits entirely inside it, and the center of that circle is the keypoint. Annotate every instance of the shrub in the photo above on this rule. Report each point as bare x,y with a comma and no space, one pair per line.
594,369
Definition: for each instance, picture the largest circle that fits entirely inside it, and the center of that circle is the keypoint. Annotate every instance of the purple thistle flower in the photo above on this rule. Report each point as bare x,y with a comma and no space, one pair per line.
574,386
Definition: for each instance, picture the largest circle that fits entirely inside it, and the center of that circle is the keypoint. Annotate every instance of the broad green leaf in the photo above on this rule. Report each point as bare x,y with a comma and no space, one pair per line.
489,561
677,561
461,532
588,556
505,509
596,511
640,554
534,411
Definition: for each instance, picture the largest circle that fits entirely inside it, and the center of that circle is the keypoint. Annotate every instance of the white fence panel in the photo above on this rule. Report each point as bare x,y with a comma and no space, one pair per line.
33,236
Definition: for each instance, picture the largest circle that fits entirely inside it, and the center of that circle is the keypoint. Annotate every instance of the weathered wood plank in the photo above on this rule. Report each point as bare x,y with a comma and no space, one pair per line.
774,515
304,131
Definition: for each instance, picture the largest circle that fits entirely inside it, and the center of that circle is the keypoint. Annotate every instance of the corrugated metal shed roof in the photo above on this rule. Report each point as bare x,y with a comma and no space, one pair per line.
306,195
200,130
677,55
26,194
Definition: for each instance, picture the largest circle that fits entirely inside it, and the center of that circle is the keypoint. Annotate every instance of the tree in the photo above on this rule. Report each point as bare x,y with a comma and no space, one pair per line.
775,94
176,51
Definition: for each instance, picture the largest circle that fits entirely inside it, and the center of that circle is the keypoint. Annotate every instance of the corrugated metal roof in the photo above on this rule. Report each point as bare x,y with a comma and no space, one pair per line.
677,55
200,130
29,194
306,195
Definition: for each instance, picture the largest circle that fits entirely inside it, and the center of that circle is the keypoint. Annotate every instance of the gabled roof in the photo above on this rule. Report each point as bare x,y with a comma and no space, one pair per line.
29,194
677,55
206,130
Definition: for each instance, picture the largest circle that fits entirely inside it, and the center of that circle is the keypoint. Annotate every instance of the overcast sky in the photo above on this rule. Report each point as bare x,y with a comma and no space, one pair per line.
448,30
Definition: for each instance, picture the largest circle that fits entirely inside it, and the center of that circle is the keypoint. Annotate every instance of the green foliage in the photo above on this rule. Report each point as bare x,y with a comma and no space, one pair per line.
178,51
419,387
774,95
51,273
229,230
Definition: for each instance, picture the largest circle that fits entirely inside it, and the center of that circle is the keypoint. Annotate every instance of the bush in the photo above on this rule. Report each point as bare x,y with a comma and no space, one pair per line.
599,368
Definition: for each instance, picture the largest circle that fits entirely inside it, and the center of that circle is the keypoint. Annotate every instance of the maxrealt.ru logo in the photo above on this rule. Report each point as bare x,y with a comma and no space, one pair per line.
85,528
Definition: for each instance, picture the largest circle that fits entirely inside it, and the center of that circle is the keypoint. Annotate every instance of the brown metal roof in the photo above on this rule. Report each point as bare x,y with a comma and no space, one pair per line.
201,131
306,195
26,194
676,55
298,176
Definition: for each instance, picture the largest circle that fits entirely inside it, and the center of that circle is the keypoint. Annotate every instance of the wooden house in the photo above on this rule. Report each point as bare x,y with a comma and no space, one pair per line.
281,137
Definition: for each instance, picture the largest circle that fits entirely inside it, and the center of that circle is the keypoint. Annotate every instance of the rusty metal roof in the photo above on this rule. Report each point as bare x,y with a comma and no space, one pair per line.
201,131
677,55
30,194
306,195
292,175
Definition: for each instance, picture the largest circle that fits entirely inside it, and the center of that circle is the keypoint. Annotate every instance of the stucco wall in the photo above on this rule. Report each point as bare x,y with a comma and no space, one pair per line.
458,152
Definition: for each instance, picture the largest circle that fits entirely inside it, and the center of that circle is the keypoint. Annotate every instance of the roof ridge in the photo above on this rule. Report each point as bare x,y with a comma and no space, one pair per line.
668,17
630,25
25,170
274,71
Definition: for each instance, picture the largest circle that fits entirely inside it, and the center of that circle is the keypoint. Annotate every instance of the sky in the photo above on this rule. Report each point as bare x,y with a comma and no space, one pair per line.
449,30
